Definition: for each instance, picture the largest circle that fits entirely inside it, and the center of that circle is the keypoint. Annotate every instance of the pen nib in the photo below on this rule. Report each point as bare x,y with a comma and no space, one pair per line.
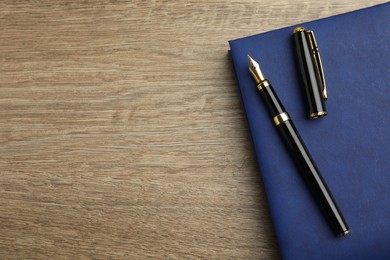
254,68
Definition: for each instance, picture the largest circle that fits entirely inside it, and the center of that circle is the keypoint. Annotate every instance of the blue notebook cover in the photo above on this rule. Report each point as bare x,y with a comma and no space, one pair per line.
351,145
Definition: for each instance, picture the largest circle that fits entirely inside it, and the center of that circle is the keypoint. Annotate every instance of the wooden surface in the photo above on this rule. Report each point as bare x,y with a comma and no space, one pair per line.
122,134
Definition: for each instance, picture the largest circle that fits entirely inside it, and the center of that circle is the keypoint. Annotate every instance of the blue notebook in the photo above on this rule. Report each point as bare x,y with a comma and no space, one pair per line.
351,145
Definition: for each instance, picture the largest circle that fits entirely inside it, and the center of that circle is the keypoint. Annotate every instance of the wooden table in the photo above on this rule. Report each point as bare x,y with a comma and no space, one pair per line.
122,132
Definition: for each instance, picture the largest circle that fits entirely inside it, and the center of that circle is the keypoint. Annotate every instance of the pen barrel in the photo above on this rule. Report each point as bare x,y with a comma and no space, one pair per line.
271,100
310,74
304,161
312,177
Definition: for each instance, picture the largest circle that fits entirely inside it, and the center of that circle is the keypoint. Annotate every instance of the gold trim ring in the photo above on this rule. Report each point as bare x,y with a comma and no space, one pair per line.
318,114
281,118
299,29
263,84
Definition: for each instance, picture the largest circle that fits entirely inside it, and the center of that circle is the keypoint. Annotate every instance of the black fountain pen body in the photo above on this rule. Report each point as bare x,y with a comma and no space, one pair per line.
299,152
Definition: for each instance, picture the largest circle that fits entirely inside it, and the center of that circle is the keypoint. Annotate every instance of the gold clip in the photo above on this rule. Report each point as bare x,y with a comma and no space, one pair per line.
317,58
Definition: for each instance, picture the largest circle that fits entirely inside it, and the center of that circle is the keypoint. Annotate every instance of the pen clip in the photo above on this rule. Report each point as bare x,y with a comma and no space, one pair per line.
317,58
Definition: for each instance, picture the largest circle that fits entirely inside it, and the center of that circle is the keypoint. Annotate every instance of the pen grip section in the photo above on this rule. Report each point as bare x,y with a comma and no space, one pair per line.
272,101
312,177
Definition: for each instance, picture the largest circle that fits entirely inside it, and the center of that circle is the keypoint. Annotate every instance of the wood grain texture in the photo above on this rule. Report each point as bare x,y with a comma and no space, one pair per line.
122,135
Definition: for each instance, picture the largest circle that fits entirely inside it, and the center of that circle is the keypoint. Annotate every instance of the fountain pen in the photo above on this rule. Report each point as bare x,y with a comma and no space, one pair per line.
299,152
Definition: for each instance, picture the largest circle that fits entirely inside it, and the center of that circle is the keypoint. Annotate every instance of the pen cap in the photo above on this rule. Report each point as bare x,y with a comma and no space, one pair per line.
310,68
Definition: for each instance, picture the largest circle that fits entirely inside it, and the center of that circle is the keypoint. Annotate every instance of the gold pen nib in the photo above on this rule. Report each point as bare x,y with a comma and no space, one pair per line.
254,68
